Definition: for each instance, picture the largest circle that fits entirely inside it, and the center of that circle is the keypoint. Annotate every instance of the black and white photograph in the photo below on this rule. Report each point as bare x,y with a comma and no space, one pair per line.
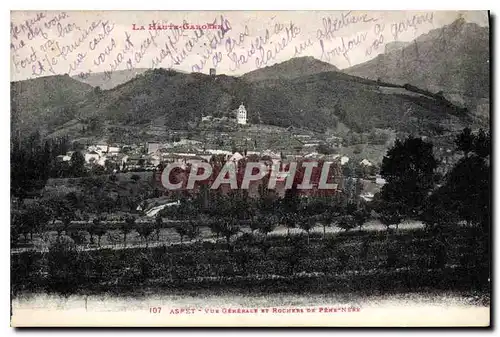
250,168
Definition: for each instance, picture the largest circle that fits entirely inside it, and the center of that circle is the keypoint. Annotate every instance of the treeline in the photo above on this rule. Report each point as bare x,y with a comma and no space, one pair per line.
33,162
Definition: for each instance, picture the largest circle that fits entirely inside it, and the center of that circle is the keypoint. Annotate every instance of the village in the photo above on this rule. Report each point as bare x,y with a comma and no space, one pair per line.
151,156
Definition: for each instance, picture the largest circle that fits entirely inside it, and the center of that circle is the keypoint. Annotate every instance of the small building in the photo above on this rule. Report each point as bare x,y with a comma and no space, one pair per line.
152,147
113,149
101,148
241,116
92,156
236,157
379,180
62,158
366,162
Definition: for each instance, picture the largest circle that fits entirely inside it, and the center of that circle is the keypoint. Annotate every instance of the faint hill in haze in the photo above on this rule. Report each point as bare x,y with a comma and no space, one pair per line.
109,80
293,68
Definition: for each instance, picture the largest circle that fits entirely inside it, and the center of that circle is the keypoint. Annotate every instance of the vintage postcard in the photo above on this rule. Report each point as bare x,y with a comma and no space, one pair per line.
250,168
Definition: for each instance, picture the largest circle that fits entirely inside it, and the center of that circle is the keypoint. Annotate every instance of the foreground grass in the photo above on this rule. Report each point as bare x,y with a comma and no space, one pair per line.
409,261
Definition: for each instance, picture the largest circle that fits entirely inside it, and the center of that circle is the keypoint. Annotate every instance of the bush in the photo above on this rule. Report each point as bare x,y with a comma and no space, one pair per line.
246,239
342,258
392,256
64,270
78,237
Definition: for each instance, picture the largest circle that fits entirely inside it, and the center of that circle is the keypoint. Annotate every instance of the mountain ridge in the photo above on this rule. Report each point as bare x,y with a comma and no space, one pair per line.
318,101
453,59
292,68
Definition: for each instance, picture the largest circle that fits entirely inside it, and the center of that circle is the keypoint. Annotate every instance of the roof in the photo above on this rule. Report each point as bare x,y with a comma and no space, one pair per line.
236,156
366,162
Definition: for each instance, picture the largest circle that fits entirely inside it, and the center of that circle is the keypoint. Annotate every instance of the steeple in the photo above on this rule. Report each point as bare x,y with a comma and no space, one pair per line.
241,116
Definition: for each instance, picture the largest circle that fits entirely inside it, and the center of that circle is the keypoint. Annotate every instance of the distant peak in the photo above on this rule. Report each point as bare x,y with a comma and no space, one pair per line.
291,68
307,59
459,21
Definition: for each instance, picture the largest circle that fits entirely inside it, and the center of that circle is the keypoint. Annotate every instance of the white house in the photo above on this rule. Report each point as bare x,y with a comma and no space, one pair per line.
102,148
92,156
63,158
379,180
344,160
219,152
366,162
113,149
236,157
101,161
241,116
152,147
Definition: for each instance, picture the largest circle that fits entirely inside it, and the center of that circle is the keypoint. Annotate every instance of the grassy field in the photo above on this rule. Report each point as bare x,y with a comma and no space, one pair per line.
367,261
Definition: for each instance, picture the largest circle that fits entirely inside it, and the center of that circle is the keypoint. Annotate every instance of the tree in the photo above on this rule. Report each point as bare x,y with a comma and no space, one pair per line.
78,237
291,200
408,169
31,163
290,220
158,226
346,222
465,141
215,227
65,223
193,230
93,228
326,218
295,253
324,149
307,224
435,214
482,144
361,215
465,194
467,190
254,224
267,225
182,231
100,231
77,164
145,230
390,214
127,227
229,228
35,217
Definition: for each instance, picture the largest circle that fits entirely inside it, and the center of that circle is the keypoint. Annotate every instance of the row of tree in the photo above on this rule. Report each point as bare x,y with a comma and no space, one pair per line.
413,191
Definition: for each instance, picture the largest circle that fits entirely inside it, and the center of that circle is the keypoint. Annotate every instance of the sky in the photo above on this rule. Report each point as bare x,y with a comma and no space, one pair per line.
82,42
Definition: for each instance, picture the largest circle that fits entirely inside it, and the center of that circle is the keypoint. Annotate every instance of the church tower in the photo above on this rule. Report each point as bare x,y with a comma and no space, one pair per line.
242,115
